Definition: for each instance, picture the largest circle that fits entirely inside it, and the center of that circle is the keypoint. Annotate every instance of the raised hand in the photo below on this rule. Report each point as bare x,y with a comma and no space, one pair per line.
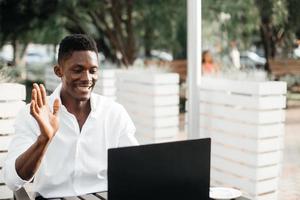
40,110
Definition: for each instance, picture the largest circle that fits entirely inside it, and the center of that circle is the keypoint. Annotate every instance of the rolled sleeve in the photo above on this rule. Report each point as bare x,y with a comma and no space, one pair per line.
25,136
11,177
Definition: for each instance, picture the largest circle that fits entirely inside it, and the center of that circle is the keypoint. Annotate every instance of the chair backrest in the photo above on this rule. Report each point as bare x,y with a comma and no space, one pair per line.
11,100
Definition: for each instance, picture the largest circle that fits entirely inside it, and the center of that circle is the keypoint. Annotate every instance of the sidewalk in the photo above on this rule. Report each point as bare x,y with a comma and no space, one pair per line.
290,180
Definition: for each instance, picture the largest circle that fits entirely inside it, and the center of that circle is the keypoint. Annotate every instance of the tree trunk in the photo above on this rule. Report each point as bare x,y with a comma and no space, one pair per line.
268,40
147,40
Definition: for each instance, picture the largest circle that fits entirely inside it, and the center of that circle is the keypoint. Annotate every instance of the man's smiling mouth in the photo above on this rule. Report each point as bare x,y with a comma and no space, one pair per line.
84,88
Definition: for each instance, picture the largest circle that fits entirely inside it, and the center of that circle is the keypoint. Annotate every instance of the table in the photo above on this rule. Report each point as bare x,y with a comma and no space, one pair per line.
21,194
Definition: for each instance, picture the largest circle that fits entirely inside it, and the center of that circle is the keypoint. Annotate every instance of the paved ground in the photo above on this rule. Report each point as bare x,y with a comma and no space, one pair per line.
290,179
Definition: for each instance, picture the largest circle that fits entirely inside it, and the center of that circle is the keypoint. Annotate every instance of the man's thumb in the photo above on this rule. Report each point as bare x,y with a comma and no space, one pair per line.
56,107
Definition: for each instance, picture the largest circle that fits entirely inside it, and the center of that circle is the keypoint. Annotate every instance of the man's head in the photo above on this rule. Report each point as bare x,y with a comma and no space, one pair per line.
76,42
77,66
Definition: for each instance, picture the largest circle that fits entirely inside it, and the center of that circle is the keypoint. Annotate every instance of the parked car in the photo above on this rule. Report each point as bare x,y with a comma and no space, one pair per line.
250,59
36,58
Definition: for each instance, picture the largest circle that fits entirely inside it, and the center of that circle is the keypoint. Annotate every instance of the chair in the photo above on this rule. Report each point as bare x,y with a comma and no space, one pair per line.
11,100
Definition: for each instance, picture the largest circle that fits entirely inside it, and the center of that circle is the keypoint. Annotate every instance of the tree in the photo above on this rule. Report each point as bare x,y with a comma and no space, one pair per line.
122,28
273,17
20,19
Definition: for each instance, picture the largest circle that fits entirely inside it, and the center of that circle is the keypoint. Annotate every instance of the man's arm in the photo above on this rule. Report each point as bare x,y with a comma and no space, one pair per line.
27,163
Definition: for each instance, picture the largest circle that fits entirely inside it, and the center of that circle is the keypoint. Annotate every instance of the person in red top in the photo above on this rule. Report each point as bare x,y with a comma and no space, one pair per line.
208,65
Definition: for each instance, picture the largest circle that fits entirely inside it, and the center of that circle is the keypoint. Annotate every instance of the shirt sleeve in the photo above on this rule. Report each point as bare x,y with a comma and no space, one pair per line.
25,136
128,129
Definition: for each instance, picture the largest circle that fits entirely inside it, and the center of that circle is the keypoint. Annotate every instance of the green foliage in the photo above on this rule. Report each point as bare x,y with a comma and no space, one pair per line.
242,21
278,18
8,74
126,27
20,18
162,25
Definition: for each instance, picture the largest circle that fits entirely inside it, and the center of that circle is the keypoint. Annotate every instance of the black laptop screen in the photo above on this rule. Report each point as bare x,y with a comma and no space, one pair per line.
175,170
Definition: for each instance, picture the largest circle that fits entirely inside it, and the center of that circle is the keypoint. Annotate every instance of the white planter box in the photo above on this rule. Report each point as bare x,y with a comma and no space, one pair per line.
246,123
156,122
241,129
249,158
151,78
4,142
247,171
106,82
1,176
154,111
12,91
5,192
11,108
251,189
152,132
243,115
152,100
6,126
2,158
148,89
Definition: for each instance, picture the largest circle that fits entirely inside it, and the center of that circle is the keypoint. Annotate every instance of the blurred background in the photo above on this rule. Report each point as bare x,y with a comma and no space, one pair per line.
256,40
243,35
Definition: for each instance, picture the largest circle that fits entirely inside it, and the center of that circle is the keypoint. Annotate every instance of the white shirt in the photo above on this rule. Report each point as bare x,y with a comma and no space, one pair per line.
75,162
235,58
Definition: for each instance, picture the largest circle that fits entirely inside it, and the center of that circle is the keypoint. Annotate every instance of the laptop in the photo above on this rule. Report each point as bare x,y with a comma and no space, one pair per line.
166,171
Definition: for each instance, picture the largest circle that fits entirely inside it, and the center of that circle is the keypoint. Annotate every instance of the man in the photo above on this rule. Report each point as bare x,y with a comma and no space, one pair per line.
61,142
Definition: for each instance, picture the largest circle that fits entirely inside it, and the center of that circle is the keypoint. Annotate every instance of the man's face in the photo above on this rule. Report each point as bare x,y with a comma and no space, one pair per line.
79,75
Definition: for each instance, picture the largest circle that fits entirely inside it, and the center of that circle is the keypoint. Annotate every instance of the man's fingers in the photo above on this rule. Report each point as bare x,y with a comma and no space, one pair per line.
33,95
43,93
38,94
56,107
32,109
34,98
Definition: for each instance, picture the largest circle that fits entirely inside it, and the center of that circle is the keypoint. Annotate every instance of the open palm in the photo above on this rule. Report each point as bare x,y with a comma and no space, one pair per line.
40,110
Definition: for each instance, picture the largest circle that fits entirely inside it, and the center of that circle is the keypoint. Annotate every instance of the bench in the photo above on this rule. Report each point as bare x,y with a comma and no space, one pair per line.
11,101
177,66
283,67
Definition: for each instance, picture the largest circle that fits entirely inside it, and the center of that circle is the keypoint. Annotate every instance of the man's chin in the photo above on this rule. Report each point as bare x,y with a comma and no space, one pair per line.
83,97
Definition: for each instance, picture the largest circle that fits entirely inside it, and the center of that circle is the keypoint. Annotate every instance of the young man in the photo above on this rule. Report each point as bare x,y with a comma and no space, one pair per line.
61,142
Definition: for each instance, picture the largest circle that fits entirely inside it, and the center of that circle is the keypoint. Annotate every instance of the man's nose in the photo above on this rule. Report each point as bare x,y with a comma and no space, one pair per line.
86,76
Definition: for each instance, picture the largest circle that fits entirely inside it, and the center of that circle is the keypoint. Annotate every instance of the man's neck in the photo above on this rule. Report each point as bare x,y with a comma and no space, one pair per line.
80,109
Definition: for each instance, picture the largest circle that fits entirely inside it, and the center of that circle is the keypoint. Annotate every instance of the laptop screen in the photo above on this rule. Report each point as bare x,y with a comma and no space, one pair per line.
174,170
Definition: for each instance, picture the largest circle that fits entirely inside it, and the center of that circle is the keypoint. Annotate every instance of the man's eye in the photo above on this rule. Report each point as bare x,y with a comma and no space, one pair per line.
93,71
77,70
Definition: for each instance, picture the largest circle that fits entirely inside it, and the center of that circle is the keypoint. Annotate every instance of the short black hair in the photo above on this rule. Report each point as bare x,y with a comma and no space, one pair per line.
75,42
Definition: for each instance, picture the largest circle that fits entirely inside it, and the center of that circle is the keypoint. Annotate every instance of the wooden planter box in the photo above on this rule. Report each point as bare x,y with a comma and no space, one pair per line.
106,84
152,101
246,123
12,98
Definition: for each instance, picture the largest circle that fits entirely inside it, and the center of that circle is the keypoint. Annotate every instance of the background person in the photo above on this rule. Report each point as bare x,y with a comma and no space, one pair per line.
235,55
208,65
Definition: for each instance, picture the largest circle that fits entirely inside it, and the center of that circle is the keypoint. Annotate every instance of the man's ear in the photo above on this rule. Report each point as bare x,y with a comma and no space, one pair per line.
58,71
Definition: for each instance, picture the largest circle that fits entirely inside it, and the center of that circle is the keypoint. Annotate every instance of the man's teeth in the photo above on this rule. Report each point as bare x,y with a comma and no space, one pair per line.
85,87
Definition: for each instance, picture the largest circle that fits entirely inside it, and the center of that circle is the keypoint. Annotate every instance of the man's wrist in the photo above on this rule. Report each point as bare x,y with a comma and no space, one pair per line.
43,140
